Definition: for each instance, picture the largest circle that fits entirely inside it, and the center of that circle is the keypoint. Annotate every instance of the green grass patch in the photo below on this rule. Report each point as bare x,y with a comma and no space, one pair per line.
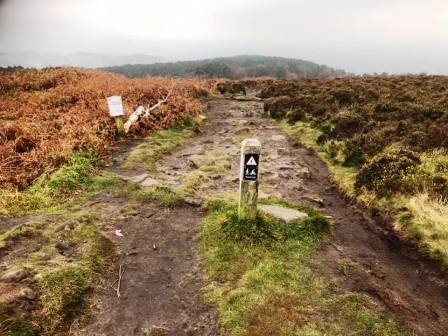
63,294
62,186
157,144
192,182
263,279
162,195
11,324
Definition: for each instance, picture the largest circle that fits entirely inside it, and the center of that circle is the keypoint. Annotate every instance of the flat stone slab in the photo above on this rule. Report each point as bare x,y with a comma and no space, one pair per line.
136,178
149,182
278,137
285,214
15,275
197,161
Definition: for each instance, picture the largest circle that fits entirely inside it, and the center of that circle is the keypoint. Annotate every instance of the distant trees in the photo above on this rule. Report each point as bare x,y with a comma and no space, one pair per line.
11,68
231,67
214,70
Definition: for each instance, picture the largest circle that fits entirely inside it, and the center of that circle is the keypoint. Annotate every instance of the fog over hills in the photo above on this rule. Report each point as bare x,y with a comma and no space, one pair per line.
80,59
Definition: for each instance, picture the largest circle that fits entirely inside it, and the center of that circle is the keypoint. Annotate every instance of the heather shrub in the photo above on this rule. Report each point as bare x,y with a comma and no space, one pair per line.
387,172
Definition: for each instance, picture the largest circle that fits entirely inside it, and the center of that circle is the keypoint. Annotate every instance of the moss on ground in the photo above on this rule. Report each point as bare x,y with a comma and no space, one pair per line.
264,284
157,144
71,254
163,196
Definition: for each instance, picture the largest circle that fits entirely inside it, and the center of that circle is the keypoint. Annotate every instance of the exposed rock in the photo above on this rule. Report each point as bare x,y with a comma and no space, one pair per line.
27,293
193,201
285,167
278,137
189,152
64,249
196,161
285,175
149,182
303,172
285,214
15,275
242,130
136,178
282,151
317,200
68,225
231,178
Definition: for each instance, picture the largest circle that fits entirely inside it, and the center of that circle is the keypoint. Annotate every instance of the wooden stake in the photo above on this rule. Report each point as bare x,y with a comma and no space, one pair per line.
250,161
120,125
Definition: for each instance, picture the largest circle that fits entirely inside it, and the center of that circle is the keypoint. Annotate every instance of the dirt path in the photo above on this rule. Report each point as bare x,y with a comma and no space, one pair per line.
161,283
162,287
390,272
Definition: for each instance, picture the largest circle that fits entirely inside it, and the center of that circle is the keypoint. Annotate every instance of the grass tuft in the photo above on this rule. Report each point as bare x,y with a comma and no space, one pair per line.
263,281
157,144
62,295
162,195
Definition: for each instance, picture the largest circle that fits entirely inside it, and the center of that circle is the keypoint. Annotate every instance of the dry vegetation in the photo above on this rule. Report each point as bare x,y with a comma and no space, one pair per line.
386,140
46,115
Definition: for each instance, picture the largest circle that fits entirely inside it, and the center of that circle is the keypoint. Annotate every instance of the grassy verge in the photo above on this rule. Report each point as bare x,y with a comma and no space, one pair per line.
264,284
417,216
160,143
60,187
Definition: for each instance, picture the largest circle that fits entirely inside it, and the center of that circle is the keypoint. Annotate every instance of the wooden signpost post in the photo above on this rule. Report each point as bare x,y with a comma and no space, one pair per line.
250,161
115,104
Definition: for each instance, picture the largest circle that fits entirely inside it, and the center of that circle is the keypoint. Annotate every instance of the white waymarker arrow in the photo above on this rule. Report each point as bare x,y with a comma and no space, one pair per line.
251,162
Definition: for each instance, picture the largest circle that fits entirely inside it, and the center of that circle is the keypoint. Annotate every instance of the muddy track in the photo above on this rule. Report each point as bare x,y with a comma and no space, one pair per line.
389,271
163,282
160,291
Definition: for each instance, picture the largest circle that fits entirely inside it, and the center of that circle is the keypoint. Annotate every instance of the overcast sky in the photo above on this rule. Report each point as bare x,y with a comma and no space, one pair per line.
356,35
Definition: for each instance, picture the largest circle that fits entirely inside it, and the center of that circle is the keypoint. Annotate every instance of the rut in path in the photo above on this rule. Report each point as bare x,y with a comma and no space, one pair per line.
163,287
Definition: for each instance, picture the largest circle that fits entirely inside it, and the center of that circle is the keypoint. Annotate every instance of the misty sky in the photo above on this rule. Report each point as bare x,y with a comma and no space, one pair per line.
355,35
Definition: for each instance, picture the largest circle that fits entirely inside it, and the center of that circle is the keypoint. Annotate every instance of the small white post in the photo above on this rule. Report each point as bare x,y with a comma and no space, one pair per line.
250,162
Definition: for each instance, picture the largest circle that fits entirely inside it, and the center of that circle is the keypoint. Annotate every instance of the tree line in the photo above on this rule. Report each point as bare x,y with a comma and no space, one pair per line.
231,67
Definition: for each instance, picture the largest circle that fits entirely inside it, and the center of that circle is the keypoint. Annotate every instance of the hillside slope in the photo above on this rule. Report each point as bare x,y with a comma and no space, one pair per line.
46,115
231,67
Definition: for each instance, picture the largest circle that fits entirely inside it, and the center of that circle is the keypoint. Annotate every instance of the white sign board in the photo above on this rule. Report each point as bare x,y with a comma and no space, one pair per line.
115,106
